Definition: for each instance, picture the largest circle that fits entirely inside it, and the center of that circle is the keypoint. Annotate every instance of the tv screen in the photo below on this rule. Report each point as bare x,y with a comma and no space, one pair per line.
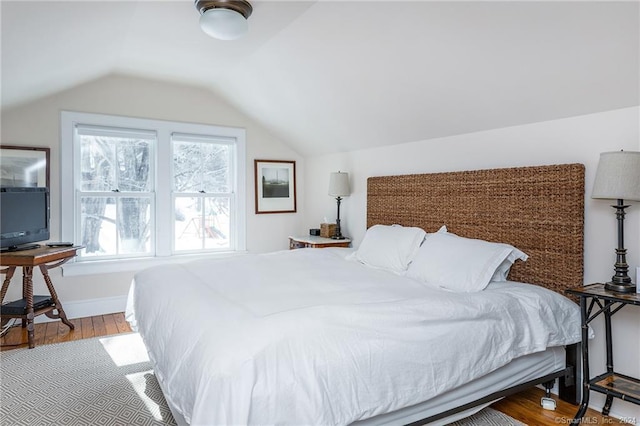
24,216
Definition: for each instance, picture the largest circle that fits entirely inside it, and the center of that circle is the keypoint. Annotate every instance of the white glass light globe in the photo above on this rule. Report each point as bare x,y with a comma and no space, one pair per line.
223,24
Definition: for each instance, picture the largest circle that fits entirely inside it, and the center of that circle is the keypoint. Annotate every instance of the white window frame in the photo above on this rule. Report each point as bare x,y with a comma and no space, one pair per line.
162,166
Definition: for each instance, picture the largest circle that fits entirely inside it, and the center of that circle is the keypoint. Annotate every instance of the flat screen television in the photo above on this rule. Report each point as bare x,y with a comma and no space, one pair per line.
24,217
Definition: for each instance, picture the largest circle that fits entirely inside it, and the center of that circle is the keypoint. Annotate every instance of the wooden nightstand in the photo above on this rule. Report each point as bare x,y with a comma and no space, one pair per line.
612,384
311,241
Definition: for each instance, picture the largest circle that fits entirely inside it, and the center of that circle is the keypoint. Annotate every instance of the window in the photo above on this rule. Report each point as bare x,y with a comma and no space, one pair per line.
202,195
115,202
136,188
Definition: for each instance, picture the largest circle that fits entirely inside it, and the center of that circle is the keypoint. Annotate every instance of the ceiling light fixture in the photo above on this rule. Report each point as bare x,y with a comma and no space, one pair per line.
224,19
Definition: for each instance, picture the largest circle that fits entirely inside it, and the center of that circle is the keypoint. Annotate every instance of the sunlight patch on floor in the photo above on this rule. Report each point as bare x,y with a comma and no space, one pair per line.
125,349
139,383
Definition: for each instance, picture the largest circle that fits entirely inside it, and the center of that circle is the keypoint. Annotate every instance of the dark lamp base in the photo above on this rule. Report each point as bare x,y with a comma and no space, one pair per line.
620,288
338,237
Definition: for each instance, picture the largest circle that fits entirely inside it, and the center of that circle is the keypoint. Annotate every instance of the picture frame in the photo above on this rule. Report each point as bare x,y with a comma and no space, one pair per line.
275,186
24,166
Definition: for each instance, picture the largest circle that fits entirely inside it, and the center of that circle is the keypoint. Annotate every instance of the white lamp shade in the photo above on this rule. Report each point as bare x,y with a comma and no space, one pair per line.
618,176
223,24
339,184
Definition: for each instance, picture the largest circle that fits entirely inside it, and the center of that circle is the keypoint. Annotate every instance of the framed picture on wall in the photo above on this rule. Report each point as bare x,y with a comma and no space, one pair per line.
24,166
275,186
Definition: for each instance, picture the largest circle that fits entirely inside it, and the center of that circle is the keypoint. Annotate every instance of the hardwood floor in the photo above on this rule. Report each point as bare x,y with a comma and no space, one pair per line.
56,331
524,406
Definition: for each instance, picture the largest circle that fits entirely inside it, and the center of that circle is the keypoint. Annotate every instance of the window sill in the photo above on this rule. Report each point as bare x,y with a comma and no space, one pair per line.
97,267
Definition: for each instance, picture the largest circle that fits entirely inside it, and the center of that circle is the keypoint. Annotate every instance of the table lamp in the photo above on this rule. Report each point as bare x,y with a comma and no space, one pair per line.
618,178
339,187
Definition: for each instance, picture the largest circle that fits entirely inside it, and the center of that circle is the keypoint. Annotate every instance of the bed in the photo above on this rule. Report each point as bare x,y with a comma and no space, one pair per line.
329,336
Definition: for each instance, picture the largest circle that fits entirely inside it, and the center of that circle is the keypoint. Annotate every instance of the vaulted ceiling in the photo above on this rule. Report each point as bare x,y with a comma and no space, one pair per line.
329,76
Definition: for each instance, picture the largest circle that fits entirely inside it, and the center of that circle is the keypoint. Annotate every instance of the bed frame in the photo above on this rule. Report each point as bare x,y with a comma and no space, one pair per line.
538,209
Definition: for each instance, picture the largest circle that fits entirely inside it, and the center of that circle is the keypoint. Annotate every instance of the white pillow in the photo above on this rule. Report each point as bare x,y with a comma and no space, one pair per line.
503,270
456,263
390,247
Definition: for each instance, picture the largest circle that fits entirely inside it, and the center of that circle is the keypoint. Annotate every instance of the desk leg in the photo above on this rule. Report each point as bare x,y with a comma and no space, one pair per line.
27,289
609,342
27,276
585,362
607,405
5,285
54,295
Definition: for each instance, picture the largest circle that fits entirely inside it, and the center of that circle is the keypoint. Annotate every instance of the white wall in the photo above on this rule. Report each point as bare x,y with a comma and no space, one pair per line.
38,124
573,140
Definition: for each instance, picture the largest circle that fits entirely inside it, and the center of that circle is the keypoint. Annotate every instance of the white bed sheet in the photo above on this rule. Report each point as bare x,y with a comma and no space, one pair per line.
307,337
520,370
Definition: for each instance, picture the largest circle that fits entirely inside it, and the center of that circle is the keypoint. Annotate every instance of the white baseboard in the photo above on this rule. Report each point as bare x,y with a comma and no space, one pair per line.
90,308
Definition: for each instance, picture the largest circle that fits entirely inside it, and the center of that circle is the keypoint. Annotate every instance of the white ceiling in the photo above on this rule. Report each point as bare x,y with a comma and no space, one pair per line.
331,76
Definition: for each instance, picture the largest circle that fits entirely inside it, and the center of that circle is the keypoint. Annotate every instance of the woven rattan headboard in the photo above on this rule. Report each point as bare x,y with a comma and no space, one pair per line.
538,209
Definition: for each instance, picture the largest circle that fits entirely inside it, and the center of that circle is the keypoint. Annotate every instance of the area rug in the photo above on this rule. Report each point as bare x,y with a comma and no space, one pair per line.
102,381
488,417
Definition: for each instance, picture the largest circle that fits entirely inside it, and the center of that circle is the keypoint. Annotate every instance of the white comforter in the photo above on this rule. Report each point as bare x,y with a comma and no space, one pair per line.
307,337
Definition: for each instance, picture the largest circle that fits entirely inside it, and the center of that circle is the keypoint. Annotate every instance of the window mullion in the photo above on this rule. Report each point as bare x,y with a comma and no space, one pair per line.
203,224
164,194
116,175
118,220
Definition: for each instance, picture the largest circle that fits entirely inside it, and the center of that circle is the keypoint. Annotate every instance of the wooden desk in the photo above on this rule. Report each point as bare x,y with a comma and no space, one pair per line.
45,258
